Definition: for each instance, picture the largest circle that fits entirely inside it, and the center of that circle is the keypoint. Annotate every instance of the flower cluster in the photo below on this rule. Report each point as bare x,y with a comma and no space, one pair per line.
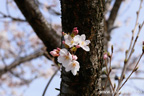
67,58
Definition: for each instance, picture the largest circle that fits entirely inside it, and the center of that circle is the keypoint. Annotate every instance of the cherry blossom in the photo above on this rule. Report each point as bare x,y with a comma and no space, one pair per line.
73,67
70,41
64,57
82,42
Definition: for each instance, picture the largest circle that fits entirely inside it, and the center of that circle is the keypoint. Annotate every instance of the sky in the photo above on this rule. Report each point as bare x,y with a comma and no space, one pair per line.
120,39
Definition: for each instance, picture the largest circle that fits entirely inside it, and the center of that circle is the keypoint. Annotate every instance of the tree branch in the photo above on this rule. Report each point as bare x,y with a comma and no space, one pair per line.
39,24
113,14
50,82
13,18
20,60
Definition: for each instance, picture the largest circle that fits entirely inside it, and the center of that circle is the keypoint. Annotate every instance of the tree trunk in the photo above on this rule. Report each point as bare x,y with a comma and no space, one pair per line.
87,15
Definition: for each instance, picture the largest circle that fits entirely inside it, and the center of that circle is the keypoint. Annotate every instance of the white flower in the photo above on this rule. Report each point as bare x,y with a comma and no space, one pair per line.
82,42
73,67
70,41
64,57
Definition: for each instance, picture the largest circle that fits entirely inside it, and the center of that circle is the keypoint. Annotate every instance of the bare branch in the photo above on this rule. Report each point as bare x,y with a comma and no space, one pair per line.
39,24
127,59
13,18
132,72
20,60
135,78
50,81
134,30
26,81
113,14
49,7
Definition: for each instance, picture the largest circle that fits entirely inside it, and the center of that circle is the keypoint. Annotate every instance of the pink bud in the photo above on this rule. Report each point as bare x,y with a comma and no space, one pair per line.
63,42
74,57
105,56
58,49
75,31
77,46
54,53
75,28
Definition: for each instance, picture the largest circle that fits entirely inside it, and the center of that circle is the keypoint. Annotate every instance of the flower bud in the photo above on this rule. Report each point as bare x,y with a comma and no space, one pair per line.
63,42
109,55
114,85
54,53
133,50
143,47
77,46
125,61
124,76
75,28
74,57
126,52
112,48
58,49
105,56
75,31
136,69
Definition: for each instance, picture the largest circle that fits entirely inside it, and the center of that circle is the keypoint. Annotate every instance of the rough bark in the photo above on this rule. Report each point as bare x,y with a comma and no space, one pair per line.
39,24
87,15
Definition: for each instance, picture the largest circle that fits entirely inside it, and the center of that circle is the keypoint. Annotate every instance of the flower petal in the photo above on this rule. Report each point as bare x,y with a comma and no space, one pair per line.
83,37
74,72
67,68
76,38
60,59
63,52
86,48
66,36
87,42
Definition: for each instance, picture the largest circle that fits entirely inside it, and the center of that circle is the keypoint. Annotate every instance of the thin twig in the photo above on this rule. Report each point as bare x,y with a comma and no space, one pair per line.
139,78
125,65
108,72
21,78
49,82
13,18
133,31
132,71
127,60
20,60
